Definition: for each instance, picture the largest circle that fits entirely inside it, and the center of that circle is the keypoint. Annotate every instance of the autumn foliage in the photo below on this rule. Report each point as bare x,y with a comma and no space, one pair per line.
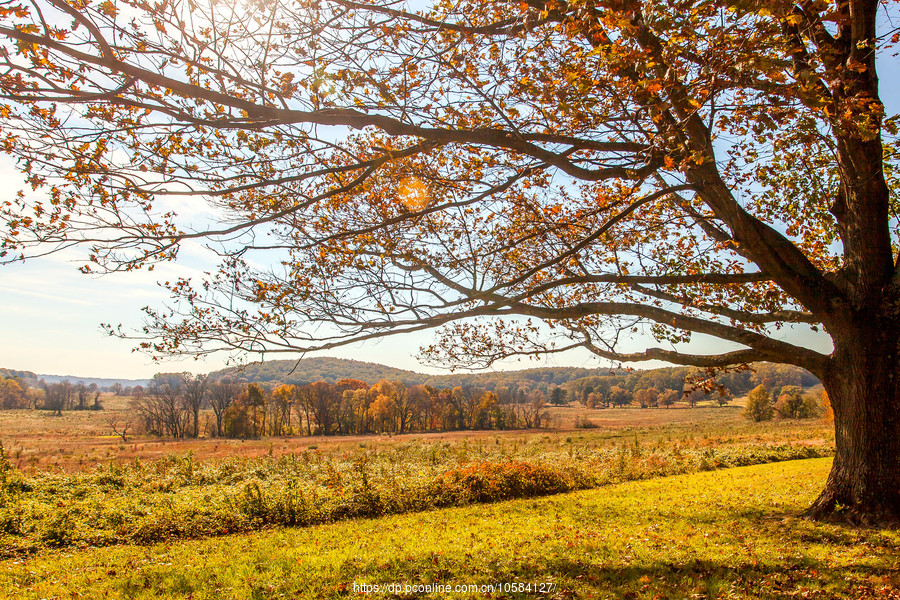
349,406
759,404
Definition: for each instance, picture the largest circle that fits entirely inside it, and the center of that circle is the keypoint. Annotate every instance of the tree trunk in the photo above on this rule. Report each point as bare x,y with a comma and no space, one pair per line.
864,483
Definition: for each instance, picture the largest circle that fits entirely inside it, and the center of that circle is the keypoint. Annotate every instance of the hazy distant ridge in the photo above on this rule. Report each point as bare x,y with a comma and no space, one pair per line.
309,370
100,381
329,369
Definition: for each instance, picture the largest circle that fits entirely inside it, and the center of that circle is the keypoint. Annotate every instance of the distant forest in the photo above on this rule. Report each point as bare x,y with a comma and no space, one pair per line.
332,370
575,380
325,396
13,374
311,370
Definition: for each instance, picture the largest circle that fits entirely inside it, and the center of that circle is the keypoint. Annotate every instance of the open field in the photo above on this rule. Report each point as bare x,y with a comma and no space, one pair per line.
722,534
79,440
182,496
652,503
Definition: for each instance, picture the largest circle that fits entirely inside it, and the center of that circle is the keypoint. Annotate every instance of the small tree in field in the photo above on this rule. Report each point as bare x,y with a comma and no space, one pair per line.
619,396
120,426
256,400
532,410
759,405
558,396
692,395
595,400
668,397
194,389
11,394
721,396
647,397
794,403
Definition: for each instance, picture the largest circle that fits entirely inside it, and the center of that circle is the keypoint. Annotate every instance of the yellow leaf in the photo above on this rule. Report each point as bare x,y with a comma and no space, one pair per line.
108,8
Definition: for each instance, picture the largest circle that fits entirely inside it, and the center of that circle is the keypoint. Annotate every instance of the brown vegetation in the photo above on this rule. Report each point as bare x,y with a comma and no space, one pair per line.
37,440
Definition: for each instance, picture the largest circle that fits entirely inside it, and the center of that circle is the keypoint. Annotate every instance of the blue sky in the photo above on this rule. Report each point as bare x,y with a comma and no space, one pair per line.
51,313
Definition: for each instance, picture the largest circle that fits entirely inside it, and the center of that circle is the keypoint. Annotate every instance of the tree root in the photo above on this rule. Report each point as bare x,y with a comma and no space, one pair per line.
833,508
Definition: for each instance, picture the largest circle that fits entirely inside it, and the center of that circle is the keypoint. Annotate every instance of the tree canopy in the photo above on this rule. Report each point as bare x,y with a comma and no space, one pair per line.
707,167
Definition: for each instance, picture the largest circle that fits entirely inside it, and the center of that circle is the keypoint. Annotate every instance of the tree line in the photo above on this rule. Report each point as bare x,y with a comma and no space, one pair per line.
665,387
185,405
22,393
788,402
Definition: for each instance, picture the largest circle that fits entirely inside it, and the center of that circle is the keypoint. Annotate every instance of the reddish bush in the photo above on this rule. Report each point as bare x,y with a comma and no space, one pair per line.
490,482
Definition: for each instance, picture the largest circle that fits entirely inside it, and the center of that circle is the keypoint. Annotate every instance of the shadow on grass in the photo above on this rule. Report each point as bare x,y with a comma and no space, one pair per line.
583,578
801,559
795,559
701,578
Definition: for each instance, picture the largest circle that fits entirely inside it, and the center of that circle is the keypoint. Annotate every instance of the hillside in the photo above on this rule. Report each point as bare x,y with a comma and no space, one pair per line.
14,374
328,369
549,376
575,379
102,382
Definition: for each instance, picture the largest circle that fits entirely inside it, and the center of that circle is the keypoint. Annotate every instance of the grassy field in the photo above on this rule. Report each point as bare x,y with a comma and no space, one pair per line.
182,496
720,534
652,504
37,441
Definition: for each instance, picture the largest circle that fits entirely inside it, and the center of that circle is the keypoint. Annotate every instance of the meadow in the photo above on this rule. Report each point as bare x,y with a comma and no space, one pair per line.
37,441
723,534
667,492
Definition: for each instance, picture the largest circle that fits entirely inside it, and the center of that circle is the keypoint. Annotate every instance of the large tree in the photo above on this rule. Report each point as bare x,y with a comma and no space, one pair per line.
706,167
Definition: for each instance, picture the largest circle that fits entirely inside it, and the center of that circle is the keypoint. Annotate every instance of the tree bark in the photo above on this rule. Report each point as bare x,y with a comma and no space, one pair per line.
864,484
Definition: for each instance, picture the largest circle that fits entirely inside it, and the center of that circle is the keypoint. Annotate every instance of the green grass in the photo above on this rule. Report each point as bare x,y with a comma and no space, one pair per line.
719,534
182,498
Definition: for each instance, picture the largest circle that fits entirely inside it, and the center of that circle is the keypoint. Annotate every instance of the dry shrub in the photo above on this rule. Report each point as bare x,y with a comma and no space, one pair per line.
489,482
